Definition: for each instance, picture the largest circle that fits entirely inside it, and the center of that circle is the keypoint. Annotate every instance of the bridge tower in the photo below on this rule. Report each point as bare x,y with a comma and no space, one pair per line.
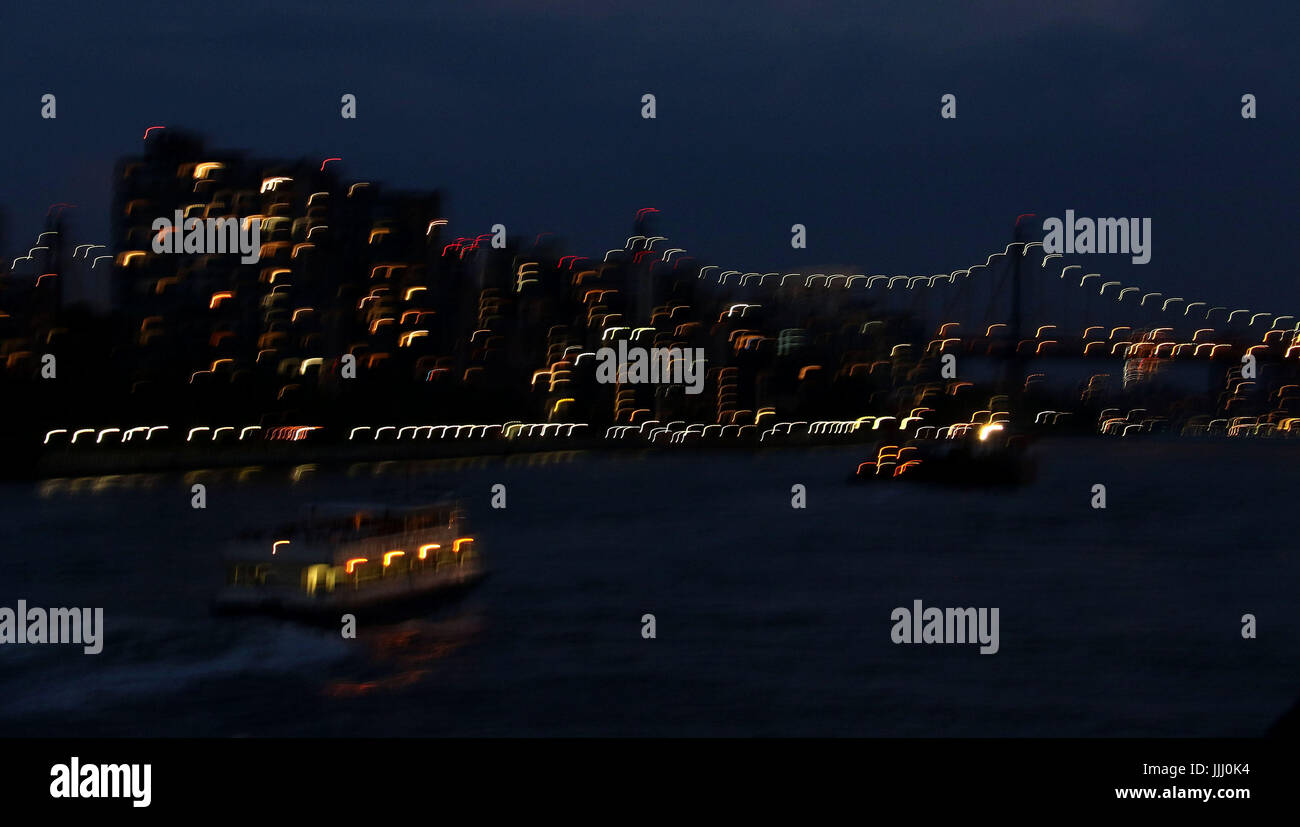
1013,378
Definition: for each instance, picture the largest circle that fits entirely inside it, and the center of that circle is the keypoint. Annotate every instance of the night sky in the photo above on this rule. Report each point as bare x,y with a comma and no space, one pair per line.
821,113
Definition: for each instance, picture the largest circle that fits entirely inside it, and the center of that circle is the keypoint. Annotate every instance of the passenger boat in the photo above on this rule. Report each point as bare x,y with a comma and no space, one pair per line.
373,561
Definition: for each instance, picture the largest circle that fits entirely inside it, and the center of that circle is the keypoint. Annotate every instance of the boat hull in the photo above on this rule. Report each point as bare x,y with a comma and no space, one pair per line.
368,606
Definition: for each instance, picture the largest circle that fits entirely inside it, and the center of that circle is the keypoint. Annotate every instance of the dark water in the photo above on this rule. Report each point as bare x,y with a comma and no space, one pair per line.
770,620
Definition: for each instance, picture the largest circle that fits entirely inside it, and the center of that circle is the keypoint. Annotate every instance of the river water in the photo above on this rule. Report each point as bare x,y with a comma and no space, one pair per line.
770,620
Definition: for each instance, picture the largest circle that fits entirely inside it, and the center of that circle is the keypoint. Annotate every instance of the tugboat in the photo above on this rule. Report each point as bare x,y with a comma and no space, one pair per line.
376,562
984,456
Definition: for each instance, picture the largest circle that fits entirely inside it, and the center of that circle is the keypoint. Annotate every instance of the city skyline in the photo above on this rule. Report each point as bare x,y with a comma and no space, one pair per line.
860,157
